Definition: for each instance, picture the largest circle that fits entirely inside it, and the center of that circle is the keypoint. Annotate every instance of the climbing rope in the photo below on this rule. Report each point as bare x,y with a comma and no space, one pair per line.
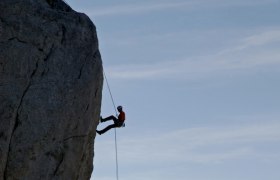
116,147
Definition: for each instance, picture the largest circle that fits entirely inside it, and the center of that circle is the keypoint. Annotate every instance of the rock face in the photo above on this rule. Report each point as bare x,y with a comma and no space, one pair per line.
50,91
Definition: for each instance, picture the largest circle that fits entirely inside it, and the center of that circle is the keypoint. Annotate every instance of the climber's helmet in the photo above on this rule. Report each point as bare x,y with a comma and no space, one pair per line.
119,108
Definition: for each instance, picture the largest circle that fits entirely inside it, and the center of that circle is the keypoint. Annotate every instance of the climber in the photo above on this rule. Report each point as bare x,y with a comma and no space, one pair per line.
118,122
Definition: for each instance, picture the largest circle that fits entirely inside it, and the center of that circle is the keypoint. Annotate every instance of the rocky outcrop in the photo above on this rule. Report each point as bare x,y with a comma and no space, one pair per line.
50,91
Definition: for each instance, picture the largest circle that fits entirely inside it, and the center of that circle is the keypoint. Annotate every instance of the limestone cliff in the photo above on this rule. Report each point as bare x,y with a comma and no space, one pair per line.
50,91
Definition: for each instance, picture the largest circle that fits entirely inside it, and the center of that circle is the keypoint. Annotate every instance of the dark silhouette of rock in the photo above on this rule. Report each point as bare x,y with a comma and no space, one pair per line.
50,91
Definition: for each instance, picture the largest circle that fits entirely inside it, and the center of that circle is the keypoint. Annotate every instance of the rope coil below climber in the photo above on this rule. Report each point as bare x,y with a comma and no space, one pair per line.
116,146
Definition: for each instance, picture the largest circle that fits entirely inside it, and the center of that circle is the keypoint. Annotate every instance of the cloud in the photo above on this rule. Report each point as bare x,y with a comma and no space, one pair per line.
148,156
252,52
198,145
263,38
201,67
135,8
260,39
153,6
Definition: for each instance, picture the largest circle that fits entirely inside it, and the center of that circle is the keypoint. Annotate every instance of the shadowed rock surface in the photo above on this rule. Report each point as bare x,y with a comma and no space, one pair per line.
50,91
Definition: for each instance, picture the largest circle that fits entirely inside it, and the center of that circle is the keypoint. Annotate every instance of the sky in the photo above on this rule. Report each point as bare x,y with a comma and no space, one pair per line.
199,82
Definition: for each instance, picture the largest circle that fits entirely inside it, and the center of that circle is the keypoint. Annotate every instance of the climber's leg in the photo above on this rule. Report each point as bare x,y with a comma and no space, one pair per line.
106,129
109,118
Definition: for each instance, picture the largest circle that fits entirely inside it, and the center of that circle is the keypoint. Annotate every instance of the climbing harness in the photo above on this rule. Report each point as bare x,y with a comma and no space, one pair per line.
123,125
116,147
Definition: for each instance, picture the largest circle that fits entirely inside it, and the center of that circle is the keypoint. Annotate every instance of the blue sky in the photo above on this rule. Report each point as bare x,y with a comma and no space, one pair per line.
199,81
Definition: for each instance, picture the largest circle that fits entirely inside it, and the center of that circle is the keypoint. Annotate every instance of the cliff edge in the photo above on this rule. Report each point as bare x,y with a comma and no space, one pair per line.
50,91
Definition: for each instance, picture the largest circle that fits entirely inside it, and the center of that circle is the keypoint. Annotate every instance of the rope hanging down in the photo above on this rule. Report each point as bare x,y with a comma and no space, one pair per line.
116,147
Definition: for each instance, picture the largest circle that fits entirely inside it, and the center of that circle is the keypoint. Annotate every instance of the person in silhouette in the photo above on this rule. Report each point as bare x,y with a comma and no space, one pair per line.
118,122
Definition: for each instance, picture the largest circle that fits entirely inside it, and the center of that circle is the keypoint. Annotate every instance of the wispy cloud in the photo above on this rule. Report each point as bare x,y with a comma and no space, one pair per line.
199,145
200,67
206,147
263,38
252,52
153,6
260,39
136,8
